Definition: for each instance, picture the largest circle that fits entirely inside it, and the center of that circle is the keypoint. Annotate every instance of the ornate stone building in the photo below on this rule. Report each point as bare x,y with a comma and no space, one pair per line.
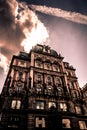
41,91
84,92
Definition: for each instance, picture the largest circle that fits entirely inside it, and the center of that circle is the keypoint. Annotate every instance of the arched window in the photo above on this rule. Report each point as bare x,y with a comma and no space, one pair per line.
38,62
71,85
58,81
38,88
47,64
49,89
49,80
39,78
74,94
60,91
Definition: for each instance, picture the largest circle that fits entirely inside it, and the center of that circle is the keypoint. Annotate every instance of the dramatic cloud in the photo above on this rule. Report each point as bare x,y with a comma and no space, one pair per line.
18,26
20,29
11,34
72,16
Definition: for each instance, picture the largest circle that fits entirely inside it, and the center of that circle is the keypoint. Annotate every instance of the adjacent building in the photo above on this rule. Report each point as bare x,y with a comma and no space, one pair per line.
84,92
41,92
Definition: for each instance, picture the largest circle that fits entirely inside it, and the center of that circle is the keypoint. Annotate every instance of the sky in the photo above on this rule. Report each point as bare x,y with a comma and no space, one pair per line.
61,24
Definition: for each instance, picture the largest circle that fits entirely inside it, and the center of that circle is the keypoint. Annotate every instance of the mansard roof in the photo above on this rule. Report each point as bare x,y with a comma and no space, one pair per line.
46,50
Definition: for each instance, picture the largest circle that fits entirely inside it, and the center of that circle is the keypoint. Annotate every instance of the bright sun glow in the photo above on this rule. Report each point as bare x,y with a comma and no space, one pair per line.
38,35
35,31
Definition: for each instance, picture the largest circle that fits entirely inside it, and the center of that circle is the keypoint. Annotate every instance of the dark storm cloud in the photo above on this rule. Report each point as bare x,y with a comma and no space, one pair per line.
16,22
11,33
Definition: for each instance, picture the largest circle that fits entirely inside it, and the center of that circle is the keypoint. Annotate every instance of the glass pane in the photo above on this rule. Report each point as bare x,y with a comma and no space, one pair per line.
78,110
63,107
13,105
52,104
66,123
39,105
82,125
18,104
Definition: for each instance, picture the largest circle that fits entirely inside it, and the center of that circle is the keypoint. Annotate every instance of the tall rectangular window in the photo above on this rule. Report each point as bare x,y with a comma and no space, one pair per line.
78,110
82,125
16,104
63,106
51,105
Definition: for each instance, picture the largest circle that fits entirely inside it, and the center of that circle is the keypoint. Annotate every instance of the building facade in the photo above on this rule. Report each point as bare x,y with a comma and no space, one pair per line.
84,92
41,91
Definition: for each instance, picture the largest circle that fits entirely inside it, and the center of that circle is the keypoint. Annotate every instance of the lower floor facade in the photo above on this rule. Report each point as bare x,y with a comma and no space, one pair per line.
42,120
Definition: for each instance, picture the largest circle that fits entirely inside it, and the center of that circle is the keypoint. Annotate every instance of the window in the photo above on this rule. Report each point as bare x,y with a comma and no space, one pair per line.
20,75
16,104
48,80
60,91
69,73
85,94
38,88
22,63
71,85
51,105
49,89
74,94
66,123
82,125
78,110
58,81
39,78
47,66
56,68
38,64
14,122
19,86
63,106
39,105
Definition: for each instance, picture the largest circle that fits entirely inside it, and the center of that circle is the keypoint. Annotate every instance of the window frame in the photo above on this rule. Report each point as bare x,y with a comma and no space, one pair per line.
84,126
67,123
52,104
58,81
16,104
78,110
40,105
39,88
63,106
